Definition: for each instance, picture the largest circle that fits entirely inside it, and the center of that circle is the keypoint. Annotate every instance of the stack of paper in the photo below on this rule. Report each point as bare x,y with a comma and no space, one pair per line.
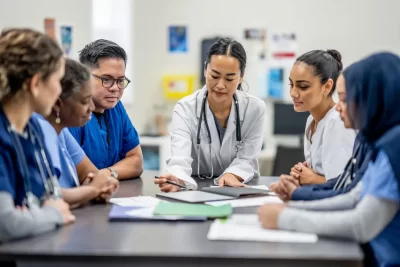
140,201
247,202
150,208
243,227
119,213
142,208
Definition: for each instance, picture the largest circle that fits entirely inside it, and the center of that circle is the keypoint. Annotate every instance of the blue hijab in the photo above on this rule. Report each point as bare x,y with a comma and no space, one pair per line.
373,92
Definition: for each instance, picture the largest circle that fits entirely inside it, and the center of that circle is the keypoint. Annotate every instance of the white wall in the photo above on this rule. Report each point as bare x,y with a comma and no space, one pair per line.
112,20
354,27
78,13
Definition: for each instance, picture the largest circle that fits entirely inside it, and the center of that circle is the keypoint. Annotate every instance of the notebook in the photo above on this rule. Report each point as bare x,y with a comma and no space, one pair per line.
185,209
120,213
214,193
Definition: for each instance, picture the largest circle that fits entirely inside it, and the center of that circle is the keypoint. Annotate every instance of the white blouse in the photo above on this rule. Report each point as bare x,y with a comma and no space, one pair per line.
331,146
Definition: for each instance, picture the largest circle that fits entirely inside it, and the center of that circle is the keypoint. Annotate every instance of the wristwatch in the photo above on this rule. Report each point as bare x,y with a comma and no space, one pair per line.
114,173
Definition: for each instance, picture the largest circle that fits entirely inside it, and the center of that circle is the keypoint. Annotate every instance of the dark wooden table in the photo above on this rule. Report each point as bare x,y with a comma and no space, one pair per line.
94,241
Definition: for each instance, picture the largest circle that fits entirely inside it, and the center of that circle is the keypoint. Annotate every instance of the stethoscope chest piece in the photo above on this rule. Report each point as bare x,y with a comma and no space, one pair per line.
239,146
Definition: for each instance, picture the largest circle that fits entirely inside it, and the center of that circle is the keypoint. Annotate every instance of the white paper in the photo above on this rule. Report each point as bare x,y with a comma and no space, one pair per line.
245,227
247,202
140,201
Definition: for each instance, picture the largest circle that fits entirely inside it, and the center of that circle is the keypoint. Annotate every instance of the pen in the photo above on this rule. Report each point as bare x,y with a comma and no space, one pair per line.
173,183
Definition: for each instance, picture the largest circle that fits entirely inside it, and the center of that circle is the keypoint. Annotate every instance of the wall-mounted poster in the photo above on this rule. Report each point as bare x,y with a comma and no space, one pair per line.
66,39
178,42
275,83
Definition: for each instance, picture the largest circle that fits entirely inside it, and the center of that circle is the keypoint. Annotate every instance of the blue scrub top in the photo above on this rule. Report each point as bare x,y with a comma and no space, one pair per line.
11,172
379,181
65,151
106,139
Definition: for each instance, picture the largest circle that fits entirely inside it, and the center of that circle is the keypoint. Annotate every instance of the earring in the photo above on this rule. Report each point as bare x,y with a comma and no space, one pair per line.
58,120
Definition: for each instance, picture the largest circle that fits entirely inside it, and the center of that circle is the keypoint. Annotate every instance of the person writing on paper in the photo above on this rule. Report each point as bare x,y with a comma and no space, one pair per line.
328,144
370,212
80,180
217,131
31,67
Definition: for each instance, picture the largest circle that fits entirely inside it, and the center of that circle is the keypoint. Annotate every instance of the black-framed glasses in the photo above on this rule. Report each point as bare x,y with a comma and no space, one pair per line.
122,83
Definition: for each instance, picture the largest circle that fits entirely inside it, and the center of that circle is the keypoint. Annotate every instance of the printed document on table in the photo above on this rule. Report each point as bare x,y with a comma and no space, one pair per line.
246,227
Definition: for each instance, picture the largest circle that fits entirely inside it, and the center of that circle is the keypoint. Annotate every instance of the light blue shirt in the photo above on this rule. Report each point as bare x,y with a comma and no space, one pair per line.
379,181
73,155
65,152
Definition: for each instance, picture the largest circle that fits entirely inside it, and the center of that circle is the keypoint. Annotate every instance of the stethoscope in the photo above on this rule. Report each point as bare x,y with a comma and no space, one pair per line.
238,146
51,185
349,170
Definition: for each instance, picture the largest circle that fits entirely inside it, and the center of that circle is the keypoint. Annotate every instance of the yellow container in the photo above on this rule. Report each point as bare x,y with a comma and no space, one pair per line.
177,86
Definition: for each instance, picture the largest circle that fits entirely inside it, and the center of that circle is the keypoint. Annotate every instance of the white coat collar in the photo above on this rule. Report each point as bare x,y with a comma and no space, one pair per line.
230,129
240,96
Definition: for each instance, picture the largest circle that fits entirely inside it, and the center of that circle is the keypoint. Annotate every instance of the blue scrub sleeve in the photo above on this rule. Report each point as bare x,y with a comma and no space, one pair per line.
317,191
77,134
131,137
380,180
74,150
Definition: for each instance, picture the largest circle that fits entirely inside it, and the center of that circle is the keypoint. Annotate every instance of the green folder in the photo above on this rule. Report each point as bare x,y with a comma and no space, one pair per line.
184,209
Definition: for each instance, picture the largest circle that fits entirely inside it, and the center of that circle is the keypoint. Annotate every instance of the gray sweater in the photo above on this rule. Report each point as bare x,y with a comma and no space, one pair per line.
16,224
344,216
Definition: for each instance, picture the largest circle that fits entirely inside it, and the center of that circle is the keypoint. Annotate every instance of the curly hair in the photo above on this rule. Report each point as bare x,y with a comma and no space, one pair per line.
76,74
24,53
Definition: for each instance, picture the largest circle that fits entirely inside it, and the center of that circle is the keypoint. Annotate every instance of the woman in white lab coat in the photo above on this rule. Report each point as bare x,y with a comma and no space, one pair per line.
227,149
328,144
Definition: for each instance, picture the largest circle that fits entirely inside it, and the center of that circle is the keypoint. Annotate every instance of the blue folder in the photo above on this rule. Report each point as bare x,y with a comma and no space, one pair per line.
119,213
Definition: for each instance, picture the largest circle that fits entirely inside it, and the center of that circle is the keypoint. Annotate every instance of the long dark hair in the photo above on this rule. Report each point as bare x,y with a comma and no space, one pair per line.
326,64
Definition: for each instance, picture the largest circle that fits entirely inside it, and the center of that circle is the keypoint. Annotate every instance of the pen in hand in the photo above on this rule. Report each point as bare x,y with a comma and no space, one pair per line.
172,183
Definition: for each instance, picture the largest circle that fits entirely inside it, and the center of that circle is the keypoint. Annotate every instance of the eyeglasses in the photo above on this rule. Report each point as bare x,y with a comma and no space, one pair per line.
109,82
